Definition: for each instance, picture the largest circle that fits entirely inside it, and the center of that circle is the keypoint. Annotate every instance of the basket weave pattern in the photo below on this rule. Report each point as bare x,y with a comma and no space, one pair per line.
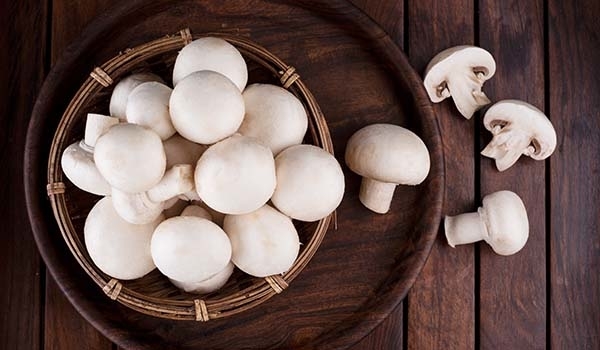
153,294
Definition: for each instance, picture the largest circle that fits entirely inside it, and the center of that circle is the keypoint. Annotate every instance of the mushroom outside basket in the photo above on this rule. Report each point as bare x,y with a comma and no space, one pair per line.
153,294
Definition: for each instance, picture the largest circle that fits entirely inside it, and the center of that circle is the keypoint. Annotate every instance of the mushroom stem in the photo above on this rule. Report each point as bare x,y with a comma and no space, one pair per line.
376,195
464,229
466,93
177,180
95,126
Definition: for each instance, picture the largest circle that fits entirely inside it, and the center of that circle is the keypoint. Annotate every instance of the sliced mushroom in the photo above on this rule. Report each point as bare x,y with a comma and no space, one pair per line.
77,160
386,155
148,105
518,128
130,157
145,207
501,222
118,99
213,54
460,72
274,116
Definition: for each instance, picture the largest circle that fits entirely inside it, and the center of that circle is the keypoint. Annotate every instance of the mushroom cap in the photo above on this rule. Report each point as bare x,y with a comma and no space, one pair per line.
263,243
130,157
136,208
206,107
274,116
148,106
182,151
445,63
118,248
310,183
236,175
505,218
388,153
197,211
209,285
525,117
78,165
118,99
190,249
212,54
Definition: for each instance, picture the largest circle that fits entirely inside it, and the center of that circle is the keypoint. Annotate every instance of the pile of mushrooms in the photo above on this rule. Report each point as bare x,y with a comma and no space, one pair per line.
518,128
200,177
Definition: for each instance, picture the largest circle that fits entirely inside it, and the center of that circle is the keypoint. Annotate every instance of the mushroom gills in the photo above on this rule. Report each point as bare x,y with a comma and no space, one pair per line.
507,146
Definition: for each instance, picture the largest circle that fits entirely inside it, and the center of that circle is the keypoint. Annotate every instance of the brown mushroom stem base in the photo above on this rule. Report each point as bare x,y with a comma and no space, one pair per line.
464,229
376,195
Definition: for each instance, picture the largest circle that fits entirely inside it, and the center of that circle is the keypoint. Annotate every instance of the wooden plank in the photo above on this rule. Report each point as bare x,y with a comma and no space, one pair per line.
512,290
23,42
388,335
574,80
62,322
441,305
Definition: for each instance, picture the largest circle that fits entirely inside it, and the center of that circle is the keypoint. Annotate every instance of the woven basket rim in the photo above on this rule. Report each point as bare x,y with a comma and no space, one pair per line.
197,309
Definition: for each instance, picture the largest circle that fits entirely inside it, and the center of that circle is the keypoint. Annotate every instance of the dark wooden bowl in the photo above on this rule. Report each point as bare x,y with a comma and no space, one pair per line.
362,269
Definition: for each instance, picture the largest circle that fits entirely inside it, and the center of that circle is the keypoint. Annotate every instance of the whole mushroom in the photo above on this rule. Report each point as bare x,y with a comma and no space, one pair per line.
518,128
130,157
460,72
120,94
274,116
310,183
263,243
386,155
148,105
206,107
501,222
77,160
213,54
236,175
120,249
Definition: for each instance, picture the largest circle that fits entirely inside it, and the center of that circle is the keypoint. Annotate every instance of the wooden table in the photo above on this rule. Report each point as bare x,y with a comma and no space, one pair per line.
546,296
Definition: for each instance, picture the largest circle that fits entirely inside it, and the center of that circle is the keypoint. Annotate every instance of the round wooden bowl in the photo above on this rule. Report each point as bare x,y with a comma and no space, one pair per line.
363,267
153,294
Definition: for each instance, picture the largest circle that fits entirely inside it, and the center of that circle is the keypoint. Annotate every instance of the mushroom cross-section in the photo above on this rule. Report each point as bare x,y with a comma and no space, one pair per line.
501,221
518,128
386,155
460,72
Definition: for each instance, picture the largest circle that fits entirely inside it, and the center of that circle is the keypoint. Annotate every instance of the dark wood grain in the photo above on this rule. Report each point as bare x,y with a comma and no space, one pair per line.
441,307
22,39
512,309
64,327
574,218
382,254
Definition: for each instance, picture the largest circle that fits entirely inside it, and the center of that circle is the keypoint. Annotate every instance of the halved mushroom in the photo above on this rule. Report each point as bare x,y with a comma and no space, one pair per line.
518,128
118,99
144,207
501,222
148,105
77,160
460,72
386,155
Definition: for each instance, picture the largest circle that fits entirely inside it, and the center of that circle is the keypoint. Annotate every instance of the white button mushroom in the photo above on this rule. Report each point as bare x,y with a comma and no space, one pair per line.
236,175
118,99
118,248
130,157
206,107
190,249
518,128
77,160
310,183
386,155
145,207
501,221
460,72
213,54
181,151
274,116
174,207
263,243
209,285
197,211
148,105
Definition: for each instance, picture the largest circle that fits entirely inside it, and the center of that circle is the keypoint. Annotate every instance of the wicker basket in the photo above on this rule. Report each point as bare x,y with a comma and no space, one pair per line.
154,294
